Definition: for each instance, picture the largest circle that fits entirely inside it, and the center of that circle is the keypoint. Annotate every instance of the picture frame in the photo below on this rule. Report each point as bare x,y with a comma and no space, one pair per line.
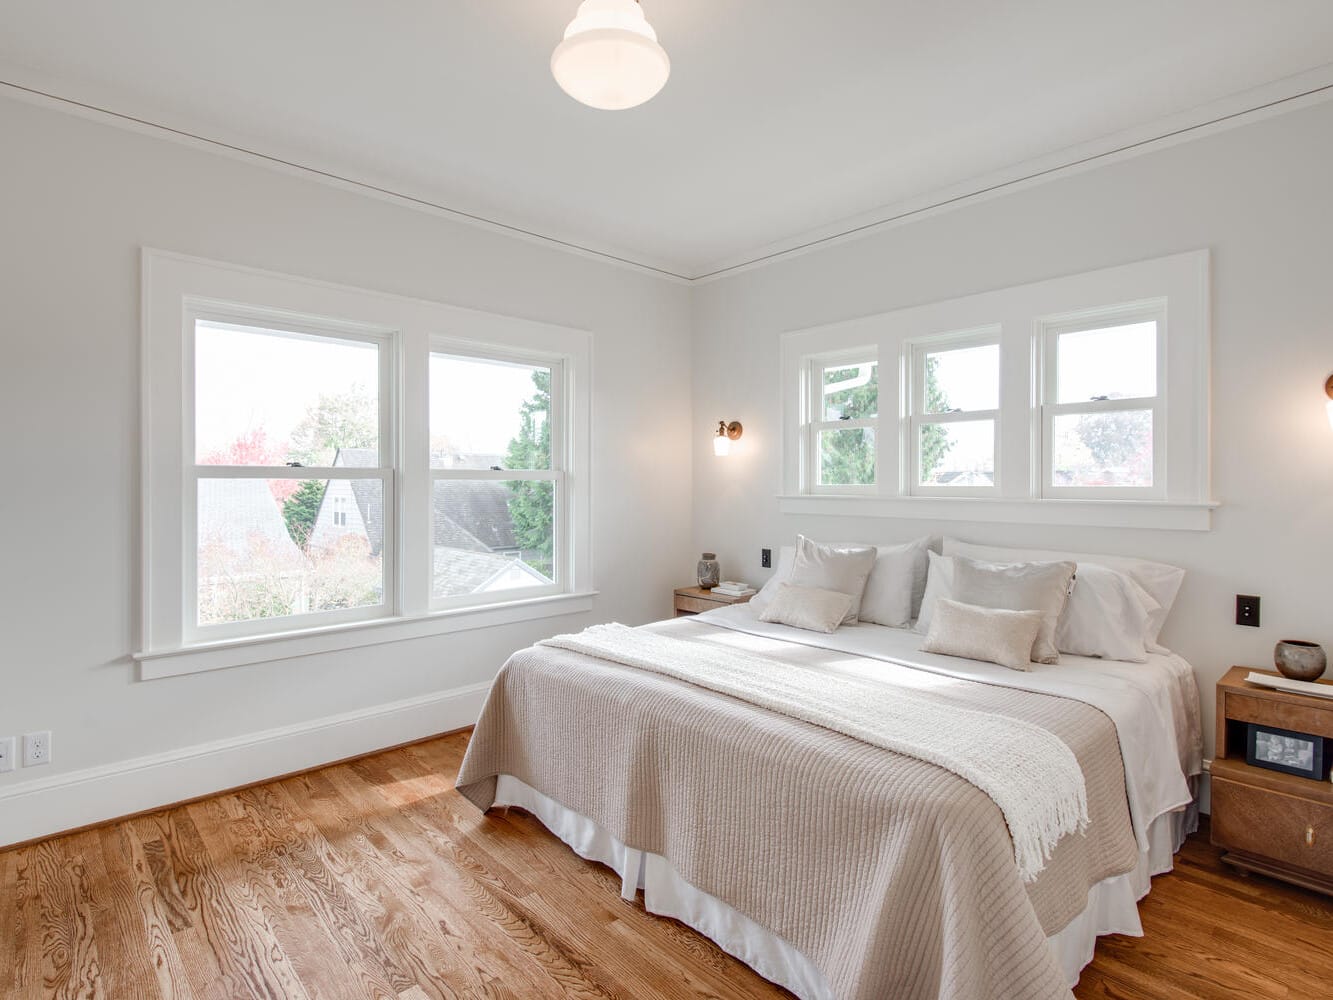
1288,751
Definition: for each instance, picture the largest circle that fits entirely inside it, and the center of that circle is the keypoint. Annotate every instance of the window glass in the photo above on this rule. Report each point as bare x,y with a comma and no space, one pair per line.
267,397
851,392
967,378
488,414
492,535
269,548
847,457
957,454
1116,362
1106,448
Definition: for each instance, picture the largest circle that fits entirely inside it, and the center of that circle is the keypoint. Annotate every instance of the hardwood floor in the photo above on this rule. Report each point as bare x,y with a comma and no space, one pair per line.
375,879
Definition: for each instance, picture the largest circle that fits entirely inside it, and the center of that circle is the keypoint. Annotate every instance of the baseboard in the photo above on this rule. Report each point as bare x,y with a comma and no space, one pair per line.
76,799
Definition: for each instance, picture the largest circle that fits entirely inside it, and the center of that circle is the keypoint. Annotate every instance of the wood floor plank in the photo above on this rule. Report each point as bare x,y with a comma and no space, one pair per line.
375,879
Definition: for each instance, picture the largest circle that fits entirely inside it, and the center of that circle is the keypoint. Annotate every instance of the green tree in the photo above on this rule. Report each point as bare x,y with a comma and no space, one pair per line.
847,457
531,505
301,508
337,420
1118,439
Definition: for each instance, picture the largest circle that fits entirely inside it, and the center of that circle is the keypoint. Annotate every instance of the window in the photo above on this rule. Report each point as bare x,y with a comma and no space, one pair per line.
1079,400
954,425
844,401
1103,425
343,459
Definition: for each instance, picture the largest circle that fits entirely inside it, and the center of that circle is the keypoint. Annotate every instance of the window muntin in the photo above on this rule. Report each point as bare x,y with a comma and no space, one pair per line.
498,478
953,427
841,422
277,417
1103,422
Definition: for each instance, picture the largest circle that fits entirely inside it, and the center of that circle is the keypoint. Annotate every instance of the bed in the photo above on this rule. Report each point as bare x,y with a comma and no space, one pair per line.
834,867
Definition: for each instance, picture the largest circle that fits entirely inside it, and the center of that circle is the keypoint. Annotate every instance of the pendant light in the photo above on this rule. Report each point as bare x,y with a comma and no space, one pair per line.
610,58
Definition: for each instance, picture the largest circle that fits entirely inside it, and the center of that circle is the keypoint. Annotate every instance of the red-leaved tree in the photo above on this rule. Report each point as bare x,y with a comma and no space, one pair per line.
254,448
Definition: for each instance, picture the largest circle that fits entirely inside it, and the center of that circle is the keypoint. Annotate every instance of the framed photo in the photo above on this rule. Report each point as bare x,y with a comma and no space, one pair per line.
1287,751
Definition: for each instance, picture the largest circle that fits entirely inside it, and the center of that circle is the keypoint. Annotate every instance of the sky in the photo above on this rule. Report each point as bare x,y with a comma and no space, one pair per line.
248,378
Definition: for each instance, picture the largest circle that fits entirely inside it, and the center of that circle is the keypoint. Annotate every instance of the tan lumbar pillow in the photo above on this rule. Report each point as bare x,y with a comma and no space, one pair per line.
994,635
807,607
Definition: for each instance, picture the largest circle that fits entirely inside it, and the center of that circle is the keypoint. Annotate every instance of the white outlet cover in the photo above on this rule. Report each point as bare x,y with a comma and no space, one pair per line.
36,748
8,748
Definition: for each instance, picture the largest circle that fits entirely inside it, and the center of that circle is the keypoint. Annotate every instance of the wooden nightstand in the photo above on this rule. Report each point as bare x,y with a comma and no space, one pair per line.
692,600
1276,824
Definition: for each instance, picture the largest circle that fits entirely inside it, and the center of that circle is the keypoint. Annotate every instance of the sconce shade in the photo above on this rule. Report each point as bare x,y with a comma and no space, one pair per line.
1328,391
726,433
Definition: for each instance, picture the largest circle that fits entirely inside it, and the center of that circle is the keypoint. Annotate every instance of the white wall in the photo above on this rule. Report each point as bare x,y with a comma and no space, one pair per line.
1259,196
77,200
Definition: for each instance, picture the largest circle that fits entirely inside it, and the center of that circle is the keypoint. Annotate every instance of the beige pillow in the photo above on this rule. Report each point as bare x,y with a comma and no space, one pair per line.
896,584
990,634
1040,587
833,567
808,608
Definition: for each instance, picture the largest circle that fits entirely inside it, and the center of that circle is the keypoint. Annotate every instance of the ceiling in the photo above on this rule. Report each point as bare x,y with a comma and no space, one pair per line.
781,117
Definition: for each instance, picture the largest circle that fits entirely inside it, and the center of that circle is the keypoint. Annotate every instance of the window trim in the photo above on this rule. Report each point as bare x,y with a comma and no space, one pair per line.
914,356
1182,280
173,284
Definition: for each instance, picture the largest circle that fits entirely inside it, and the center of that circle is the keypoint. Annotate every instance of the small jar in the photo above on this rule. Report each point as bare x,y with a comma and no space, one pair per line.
709,572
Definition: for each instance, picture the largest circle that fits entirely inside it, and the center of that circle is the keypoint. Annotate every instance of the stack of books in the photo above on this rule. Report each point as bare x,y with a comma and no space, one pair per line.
733,588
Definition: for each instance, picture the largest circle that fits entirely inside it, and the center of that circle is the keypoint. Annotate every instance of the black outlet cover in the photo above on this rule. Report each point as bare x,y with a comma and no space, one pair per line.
1247,610
766,558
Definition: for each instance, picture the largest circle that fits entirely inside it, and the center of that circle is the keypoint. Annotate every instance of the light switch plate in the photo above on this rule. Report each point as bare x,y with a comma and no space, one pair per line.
8,747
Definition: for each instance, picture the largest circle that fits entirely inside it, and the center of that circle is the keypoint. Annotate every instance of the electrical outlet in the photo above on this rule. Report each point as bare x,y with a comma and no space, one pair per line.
1247,610
766,558
8,747
37,748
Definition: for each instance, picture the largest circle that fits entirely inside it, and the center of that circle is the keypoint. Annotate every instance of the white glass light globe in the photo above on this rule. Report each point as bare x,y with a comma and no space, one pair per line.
610,58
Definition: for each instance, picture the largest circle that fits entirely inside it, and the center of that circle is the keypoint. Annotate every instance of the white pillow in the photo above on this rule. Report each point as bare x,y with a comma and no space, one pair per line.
1034,586
808,608
939,584
831,567
1107,616
896,585
1160,580
995,635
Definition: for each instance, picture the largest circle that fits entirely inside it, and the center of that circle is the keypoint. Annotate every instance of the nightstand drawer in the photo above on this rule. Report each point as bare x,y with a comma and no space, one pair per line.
1271,824
695,605
1317,721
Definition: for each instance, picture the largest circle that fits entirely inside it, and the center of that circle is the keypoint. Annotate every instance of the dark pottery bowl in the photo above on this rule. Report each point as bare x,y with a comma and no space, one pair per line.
1299,660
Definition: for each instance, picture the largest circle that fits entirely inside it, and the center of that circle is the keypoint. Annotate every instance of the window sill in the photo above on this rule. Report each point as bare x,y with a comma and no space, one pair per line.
1155,514
154,664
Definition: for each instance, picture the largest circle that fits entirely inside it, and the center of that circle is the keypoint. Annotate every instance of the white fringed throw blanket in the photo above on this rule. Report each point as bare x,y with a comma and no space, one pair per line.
1027,771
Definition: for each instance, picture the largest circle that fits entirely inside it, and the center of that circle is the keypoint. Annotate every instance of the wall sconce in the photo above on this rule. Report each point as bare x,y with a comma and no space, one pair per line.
1328,390
729,432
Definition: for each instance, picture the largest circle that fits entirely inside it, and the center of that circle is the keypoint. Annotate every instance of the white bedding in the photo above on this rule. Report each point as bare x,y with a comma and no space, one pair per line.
1154,705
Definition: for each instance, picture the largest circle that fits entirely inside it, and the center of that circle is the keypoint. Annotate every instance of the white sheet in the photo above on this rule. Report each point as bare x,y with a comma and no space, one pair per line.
1154,705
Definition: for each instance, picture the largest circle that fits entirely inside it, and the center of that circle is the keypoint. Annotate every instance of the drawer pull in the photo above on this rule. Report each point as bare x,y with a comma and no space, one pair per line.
1309,836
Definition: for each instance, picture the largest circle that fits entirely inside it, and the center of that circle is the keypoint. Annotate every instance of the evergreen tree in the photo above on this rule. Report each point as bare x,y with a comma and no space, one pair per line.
935,443
531,505
301,508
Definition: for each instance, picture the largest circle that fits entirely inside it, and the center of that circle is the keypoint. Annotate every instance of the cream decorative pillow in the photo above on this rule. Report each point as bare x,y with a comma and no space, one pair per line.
896,584
994,635
1040,587
807,607
829,567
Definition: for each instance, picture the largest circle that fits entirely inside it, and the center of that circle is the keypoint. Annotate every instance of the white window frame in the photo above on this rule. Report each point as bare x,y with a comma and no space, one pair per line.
1023,316
814,422
177,289
915,353
195,312
1051,330
558,473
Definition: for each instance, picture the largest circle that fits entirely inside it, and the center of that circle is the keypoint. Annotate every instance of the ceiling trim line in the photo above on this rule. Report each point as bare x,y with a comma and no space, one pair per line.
338,180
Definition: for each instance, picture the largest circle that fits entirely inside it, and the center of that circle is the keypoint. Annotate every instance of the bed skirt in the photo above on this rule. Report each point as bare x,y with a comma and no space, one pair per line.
1112,903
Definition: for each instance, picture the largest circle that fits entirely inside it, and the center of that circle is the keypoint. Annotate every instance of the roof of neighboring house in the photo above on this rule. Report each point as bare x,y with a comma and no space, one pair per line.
460,571
471,514
234,512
